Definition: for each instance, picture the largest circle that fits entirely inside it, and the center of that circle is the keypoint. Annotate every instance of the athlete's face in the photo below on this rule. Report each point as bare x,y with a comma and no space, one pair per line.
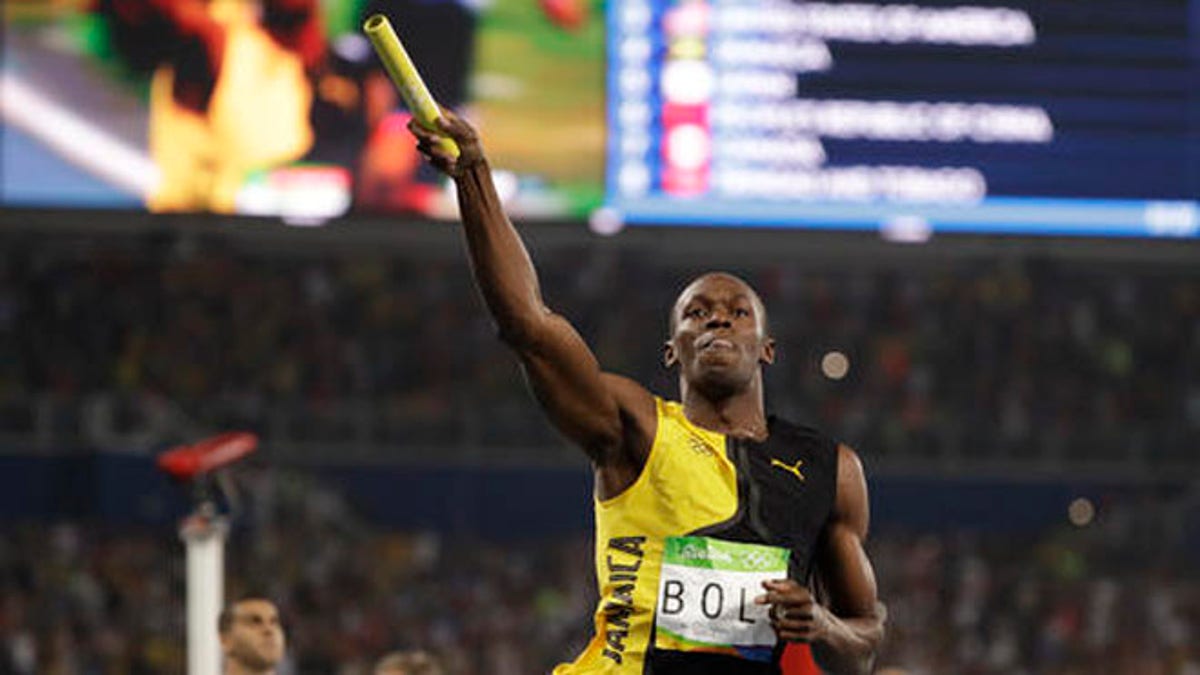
255,636
719,335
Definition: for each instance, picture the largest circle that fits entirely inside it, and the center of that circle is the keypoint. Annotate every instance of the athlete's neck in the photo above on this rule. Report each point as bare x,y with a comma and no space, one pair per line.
740,415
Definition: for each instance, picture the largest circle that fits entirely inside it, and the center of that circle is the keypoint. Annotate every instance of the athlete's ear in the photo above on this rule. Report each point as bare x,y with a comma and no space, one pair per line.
670,358
766,355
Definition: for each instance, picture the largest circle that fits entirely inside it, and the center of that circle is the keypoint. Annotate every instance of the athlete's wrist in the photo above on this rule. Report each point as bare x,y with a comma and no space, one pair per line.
470,164
824,622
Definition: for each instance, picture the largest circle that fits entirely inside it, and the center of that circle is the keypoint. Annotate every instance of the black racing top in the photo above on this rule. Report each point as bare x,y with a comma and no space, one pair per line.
787,485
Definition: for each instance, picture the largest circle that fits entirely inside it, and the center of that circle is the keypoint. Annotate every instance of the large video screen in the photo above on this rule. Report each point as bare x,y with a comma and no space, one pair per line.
1054,117
280,107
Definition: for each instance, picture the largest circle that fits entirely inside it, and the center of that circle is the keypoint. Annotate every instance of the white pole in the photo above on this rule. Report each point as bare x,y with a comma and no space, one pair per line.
204,534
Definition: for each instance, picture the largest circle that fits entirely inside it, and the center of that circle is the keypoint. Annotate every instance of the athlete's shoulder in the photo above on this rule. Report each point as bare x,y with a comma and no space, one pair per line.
850,467
796,431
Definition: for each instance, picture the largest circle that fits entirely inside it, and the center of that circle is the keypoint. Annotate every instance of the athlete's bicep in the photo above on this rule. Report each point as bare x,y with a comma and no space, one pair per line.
601,413
847,579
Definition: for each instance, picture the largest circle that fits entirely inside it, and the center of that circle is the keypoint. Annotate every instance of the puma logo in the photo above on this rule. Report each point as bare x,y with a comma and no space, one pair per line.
792,469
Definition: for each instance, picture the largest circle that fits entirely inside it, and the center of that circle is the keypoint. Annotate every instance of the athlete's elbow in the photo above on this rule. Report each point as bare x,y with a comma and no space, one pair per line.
522,331
866,665
873,642
878,628
856,652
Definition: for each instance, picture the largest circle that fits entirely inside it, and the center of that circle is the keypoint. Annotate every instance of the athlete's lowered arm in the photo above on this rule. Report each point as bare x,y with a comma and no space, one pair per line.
589,406
846,631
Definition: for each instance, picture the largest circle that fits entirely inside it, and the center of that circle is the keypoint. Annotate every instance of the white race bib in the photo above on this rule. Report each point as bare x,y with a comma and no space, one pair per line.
706,594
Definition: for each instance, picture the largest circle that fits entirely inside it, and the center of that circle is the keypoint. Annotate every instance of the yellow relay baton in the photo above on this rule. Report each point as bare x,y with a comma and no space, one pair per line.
405,76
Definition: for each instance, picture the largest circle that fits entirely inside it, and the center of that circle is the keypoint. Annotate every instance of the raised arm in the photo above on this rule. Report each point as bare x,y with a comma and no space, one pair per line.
845,624
610,417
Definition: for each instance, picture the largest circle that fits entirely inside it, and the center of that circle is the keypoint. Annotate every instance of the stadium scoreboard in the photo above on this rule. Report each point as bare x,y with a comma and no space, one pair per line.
1055,117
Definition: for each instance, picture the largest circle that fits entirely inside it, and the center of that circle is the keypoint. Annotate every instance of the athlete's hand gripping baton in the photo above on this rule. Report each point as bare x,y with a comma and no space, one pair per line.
405,76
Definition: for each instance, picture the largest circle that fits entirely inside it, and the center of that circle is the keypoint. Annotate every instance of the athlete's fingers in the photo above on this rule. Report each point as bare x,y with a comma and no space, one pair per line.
793,610
452,124
438,157
795,635
791,627
785,586
433,148
793,599
417,129
428,149
789,594
449,121
786,590
772,587
785,615
456,127
775,598
800,613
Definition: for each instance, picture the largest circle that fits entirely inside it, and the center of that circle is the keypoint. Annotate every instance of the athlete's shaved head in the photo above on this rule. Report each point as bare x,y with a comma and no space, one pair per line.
760,310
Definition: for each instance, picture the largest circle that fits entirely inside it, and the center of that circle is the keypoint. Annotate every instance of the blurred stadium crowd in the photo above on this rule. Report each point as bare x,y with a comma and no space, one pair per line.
125,343
131,343
82,598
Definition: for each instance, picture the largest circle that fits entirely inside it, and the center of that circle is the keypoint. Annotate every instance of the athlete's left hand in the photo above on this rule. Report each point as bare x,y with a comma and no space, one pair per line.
795,615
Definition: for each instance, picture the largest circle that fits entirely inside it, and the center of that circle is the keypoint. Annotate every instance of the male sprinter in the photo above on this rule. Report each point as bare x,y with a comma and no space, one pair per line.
706,510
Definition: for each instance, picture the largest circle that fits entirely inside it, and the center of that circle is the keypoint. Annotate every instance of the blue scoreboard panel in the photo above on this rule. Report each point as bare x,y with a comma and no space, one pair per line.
1063,117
